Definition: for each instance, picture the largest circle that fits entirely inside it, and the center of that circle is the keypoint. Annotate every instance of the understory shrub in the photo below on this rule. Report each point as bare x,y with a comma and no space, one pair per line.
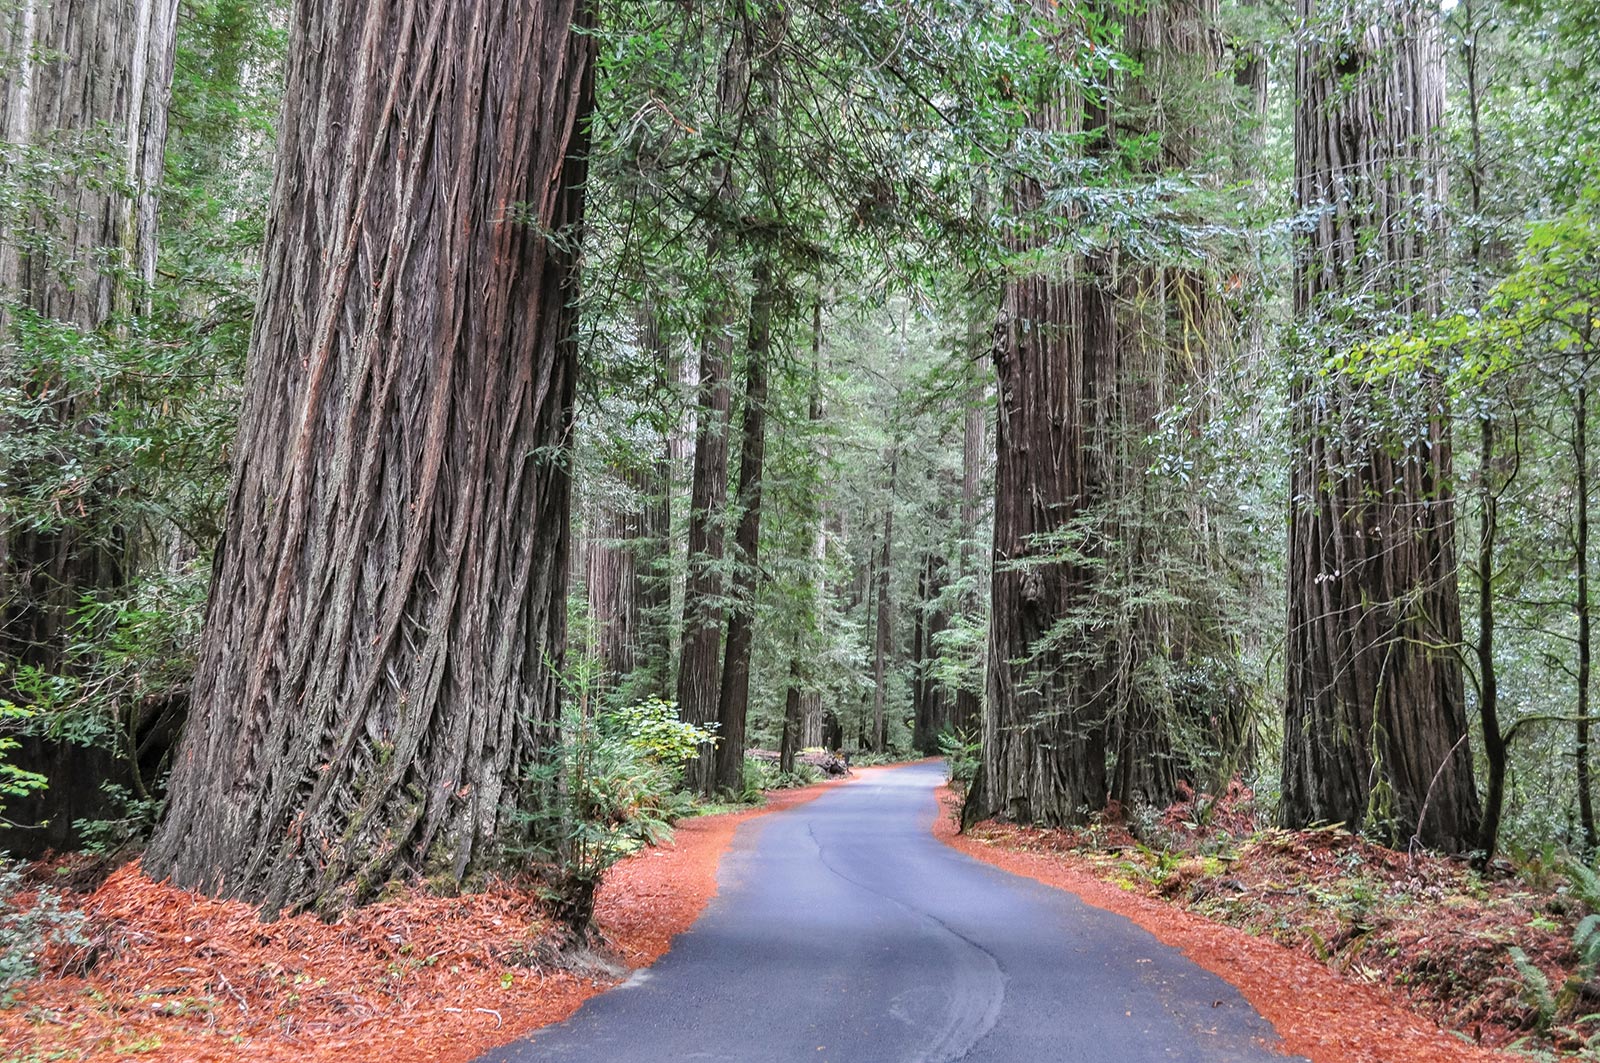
613,789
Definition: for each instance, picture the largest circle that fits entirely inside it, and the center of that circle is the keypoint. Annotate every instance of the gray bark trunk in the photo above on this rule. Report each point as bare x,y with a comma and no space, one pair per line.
388,604
1375,728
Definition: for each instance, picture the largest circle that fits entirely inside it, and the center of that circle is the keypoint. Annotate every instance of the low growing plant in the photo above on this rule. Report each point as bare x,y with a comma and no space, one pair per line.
612,789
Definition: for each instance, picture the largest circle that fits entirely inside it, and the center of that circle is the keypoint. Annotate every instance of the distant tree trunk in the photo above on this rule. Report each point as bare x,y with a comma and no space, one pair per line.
805,729
733,703
789,743
700,656
91,78
884,628
1375,716
611,580
966,714
1044,756
928,699
1580,458
387,613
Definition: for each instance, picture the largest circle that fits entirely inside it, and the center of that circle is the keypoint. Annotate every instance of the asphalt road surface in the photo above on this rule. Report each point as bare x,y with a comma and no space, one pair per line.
844,932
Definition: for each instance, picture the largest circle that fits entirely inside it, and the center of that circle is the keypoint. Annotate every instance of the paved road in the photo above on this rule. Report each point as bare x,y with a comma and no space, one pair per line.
844,932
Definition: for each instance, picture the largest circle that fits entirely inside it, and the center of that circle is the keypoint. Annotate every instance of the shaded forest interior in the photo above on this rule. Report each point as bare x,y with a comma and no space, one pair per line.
411,424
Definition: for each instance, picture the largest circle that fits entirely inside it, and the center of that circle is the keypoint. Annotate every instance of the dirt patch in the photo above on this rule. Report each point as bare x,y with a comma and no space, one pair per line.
1319,1013
174,975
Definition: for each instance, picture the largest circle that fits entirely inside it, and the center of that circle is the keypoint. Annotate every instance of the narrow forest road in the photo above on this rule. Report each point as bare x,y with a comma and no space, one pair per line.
844,932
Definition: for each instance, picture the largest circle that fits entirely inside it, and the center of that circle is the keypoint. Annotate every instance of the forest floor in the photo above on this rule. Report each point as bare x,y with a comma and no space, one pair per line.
1355,953
154,972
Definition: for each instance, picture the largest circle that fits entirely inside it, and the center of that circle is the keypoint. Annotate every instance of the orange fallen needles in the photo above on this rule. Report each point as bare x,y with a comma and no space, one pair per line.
175,976
1318,1013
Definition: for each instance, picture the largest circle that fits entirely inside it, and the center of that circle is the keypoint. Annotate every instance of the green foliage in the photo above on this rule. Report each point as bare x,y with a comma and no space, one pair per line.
14,781
607,792
652,727
32,919
960,750
1534,988
761,775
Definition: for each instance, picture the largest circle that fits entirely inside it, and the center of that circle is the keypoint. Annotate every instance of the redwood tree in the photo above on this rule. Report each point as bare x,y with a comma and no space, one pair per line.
84,93
1375,731
733,697
387,607
1043,754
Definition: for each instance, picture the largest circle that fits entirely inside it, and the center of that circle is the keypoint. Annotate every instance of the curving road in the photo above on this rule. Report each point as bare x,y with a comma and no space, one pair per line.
844,932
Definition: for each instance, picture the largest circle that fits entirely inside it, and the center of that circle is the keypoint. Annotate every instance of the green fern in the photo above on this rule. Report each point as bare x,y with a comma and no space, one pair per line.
1585,883
1535,990
1586,942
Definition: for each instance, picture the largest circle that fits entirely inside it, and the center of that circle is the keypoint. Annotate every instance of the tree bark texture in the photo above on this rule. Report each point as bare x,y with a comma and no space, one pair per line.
803,716
84,94
793,709
1044,715
387,614
733,702
1167,331
699,683
1580,751
1375,728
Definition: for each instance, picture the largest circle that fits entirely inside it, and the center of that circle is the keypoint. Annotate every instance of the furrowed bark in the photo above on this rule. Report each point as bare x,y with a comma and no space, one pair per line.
1376,708
1044,714
387,613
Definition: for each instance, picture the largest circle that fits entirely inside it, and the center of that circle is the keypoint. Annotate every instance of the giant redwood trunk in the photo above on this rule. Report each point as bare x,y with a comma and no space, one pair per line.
700,655
1375,730
84,92
1044,715
1167,330
387,609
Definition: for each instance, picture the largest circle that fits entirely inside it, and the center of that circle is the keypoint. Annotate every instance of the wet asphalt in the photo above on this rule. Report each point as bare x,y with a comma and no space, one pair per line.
844,932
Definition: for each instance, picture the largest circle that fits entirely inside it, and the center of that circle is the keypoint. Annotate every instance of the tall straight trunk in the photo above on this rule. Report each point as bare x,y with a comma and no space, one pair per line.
1495,747
699,683
700,655
1044,756
1375,729
1580,458
884,628
95,78
1166,327
733,702
966,712
1496,751
789,742
380,654
805,728
928,698
610,578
